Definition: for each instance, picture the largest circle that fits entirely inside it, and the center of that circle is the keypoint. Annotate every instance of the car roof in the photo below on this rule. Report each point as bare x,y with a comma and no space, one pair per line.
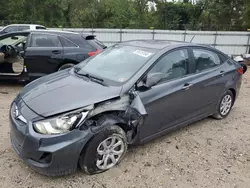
23,24
158,44
44,31
52,31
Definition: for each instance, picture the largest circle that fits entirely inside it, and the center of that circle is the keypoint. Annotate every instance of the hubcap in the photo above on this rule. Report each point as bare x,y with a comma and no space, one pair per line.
225,105
109,152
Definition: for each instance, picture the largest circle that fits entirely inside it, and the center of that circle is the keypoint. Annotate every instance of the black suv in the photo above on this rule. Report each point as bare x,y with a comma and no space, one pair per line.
27,55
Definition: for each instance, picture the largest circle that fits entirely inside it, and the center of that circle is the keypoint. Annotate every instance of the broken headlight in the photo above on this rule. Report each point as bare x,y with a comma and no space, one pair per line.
60,124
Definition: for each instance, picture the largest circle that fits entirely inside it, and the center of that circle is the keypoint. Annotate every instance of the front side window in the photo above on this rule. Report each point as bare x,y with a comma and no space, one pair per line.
205,59
10,29
117,63
12,40
173,65
45,40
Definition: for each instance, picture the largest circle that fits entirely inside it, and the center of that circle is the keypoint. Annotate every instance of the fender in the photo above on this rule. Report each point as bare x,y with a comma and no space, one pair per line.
107,121
130,120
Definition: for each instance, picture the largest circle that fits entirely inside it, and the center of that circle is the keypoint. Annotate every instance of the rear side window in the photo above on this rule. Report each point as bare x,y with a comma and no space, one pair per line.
40,27
66,43
45,40
23,27
205,59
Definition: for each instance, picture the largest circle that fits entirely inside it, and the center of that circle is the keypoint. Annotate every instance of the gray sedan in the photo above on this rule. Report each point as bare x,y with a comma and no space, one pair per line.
128,94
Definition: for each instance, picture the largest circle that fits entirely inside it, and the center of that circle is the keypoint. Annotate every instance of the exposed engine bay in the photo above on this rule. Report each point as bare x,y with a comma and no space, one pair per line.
11,60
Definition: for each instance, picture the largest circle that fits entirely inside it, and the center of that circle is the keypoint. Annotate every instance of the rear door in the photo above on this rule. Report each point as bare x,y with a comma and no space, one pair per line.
72,52
43,54
211,75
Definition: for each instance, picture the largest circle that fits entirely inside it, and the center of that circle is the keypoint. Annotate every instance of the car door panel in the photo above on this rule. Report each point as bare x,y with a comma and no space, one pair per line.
210,84
168,103
42,61
43,55
72,52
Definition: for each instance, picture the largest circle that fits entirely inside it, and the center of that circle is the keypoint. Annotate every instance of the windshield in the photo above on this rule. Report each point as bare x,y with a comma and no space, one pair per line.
12,40
117,63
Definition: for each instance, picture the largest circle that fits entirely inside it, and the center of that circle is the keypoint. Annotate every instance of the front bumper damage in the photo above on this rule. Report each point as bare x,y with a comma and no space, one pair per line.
55,155
49,155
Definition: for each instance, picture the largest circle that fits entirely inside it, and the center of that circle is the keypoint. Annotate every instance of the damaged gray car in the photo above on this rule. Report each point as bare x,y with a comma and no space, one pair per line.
128,94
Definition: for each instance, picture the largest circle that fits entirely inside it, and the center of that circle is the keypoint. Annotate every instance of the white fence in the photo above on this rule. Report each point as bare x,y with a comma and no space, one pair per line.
233,43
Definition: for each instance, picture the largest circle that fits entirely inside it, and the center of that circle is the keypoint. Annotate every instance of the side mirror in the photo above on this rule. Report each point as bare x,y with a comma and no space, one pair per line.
152,79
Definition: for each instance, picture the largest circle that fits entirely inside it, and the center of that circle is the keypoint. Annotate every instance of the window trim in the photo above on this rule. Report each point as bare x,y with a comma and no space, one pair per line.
76,46
34,33
164,54
207,49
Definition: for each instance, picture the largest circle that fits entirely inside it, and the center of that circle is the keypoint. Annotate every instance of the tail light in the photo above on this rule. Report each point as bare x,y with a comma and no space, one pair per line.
94,53
240,70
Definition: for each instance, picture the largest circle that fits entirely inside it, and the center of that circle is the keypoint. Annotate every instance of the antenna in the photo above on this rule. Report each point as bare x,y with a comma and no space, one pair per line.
192,38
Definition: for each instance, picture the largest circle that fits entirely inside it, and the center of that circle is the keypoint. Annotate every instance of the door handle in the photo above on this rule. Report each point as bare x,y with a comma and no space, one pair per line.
56,52
187,86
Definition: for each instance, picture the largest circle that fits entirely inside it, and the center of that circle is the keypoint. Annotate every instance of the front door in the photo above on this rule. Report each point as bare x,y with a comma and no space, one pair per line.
11,59
43,54
168,103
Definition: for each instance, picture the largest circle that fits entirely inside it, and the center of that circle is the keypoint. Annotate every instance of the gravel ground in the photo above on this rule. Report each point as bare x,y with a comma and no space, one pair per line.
209,153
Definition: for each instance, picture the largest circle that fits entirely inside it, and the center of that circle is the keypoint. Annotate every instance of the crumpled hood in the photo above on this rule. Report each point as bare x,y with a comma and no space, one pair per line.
61,92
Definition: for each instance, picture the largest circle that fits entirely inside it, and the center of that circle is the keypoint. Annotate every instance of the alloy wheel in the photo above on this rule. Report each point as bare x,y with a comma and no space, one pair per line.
109,152
226,105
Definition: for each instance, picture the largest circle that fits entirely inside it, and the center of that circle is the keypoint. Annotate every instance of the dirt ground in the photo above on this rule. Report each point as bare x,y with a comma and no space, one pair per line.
209,153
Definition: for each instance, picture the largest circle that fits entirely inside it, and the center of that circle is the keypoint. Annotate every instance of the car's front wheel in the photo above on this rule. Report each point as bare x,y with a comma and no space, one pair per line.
225,105
104,151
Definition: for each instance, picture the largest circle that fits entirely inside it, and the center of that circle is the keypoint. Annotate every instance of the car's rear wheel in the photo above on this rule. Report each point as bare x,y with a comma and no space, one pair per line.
225,105
66,66
104,151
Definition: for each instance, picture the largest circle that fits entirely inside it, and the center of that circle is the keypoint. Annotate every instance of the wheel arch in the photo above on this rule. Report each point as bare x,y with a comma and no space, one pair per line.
105,119
66,61
234,93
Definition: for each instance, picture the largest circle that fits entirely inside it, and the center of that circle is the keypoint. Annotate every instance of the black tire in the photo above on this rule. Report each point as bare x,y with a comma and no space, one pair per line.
65,66
89,155
219,115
